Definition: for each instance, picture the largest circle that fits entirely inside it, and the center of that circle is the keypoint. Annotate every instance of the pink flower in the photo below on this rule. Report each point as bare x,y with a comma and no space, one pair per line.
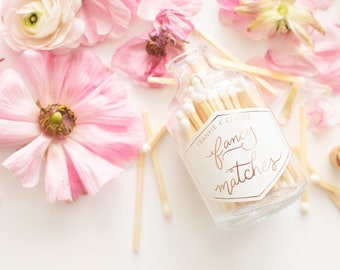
149,53
41,25
106,18
74,118
322,65
321,115
269,18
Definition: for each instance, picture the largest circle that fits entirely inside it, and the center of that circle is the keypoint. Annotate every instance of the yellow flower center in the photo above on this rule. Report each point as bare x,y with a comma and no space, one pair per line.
283,10
32,19
57,120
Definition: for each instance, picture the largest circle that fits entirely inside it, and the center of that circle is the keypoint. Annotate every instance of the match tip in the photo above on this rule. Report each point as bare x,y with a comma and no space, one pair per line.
146,148
166,210
304,207
314,178
282,120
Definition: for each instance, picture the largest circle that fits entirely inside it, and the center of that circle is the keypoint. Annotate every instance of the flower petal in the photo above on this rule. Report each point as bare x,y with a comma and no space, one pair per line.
111,107
57,182
119,145
93,170
81,71
16,101
25,163
15,133
174,21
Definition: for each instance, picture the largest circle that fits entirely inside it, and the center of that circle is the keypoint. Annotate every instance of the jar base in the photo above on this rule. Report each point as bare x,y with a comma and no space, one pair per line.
251,213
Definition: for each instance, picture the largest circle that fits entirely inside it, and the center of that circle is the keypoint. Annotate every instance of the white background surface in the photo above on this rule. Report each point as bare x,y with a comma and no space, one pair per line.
97,232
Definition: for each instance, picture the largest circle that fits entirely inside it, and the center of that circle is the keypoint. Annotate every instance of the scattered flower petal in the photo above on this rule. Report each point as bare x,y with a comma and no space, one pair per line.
321,115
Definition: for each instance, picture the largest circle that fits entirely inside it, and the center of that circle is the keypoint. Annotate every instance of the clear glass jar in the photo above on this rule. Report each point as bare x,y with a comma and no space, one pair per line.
231,143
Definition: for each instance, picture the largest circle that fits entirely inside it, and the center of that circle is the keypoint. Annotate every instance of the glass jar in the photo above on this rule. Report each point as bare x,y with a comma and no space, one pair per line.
231,143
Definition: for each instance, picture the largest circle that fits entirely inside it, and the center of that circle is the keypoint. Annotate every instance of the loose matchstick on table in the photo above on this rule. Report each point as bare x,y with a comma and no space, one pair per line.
303,157
139,202
157,169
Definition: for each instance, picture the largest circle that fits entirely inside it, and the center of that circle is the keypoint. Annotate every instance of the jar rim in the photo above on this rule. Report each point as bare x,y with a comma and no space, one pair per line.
200,49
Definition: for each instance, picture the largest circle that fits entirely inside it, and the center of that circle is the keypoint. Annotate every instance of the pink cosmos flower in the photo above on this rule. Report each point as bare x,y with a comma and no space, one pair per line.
321,115
41,25
106,18
74,121
150,52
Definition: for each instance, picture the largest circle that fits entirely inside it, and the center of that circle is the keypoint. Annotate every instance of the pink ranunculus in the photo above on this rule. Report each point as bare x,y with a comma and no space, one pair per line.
150,52
74,117
41,25
321,115
106,18
148,9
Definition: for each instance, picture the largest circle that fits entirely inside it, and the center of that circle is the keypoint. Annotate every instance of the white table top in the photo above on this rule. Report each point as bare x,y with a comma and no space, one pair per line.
97,232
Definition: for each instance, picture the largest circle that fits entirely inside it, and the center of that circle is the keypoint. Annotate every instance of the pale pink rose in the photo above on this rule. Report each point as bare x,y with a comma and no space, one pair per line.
106,18
148,9
150,52
73,125
321,115
41,25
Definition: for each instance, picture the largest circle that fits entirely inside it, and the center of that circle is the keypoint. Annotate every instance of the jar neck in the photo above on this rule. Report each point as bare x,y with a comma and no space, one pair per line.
190,64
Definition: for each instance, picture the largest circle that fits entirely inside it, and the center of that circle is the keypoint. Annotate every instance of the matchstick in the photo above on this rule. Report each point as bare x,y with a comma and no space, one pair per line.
288,105
157,169
316,178
139,200
154,139
303,157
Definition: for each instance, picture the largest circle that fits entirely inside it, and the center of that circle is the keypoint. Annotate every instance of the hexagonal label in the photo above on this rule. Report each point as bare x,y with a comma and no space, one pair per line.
238,155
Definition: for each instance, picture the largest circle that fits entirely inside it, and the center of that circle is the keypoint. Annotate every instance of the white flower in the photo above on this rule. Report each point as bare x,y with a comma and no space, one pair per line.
41,24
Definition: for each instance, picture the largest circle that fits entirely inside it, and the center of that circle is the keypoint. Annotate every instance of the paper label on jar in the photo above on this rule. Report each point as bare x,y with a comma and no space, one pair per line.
238,155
